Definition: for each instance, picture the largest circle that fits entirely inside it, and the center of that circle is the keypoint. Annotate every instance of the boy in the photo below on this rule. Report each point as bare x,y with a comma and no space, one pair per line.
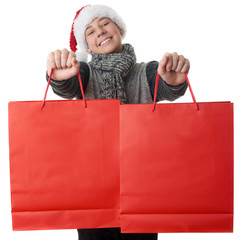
112,73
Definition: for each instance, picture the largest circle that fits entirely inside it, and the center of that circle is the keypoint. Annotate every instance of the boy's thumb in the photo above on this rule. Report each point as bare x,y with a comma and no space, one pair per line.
75,63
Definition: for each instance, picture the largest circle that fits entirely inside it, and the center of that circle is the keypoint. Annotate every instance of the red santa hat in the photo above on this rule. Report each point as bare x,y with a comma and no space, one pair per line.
83,18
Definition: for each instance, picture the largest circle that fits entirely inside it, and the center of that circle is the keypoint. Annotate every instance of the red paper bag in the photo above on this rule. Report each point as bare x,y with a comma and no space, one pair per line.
64,164
176,167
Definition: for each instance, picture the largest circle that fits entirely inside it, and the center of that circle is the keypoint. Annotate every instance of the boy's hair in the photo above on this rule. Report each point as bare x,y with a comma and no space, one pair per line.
83,18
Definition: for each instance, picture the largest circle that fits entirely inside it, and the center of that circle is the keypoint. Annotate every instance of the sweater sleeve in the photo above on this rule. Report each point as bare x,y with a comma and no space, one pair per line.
70,88
165,91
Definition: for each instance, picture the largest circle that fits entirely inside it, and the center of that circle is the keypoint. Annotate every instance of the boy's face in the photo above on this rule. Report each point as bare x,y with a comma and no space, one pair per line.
103,36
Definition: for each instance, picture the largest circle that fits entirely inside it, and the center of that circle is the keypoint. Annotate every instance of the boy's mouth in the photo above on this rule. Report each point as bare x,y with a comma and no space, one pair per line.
105,41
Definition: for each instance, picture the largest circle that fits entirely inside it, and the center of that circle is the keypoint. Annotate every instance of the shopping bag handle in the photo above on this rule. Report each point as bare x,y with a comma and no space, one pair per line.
49,79
190,88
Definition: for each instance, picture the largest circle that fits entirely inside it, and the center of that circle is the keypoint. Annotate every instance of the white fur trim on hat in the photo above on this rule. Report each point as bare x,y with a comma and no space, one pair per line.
81,56
85,17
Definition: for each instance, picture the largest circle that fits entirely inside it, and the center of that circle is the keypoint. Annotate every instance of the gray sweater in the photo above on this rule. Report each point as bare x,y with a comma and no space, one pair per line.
139,85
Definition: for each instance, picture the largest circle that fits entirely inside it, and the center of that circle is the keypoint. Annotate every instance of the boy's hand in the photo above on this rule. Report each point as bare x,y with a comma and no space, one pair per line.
172,68
64,63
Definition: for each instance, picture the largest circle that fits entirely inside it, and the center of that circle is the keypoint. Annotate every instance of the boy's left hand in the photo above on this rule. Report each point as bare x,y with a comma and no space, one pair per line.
172,68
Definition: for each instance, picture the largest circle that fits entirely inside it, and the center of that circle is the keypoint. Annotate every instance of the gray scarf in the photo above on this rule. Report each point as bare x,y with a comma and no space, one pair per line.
114,68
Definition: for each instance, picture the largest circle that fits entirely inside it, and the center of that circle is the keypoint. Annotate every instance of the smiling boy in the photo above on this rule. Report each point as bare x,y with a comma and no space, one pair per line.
112,73
103,36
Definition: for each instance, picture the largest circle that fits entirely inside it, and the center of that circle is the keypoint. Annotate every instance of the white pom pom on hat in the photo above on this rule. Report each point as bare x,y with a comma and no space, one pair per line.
83,18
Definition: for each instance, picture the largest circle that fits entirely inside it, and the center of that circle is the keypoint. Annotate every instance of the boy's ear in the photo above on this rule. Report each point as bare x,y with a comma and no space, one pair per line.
89,51
121,31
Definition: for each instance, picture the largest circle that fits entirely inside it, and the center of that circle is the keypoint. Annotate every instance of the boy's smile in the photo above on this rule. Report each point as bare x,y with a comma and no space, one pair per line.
103,36
105,41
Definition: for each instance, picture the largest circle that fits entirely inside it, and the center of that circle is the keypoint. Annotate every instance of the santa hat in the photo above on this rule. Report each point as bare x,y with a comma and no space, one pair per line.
83,18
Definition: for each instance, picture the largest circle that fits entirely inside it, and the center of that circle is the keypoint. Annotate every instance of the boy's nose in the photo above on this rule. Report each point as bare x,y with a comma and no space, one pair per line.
101,32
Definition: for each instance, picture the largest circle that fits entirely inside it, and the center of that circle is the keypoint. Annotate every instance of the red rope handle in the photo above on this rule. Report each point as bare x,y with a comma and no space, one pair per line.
49,79
155,92
191,91
190,88
81,87
45,95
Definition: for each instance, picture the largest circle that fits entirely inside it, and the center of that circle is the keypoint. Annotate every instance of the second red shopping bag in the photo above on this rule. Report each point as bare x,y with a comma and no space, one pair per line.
176,167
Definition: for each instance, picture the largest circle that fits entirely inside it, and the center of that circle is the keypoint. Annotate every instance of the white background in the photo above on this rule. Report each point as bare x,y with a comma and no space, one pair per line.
206,32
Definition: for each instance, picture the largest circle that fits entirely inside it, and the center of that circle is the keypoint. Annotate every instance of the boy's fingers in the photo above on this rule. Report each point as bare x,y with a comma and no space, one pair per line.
169,62
186,66
75,63
64,58
162,65
181,62
165,64
175,58
161,68
71,55
57,57
50,62
64,63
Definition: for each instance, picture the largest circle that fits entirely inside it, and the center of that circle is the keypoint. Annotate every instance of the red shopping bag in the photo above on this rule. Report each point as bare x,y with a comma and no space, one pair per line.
64,164
176,167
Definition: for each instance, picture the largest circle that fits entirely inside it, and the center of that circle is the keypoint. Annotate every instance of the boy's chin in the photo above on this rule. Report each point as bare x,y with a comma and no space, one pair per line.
109,50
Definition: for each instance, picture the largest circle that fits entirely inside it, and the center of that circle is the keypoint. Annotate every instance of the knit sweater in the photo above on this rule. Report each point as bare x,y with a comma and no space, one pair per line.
139,85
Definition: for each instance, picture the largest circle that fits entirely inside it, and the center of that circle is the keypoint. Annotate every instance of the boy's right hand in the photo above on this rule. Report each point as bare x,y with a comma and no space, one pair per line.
64,63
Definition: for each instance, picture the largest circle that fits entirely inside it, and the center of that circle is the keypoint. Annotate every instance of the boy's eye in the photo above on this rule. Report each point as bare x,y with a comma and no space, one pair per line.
90,33
105,24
